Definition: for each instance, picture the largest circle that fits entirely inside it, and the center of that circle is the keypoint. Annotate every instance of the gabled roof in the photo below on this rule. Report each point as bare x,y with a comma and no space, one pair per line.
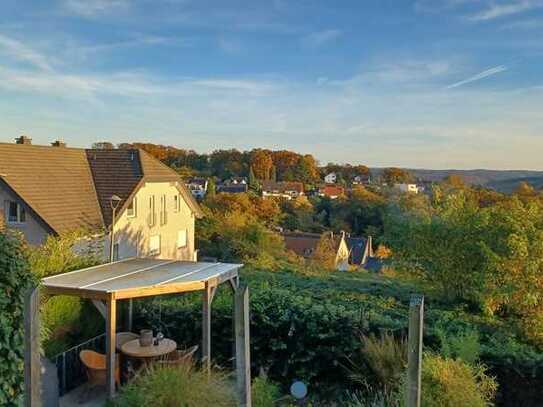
304,244
70,188
55,182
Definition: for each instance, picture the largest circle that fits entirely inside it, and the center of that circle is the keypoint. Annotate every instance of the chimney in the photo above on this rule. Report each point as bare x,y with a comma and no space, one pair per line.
58,143
23,140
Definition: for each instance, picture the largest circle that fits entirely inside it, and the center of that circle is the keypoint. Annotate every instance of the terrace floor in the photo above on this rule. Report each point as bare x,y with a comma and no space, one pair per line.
82,396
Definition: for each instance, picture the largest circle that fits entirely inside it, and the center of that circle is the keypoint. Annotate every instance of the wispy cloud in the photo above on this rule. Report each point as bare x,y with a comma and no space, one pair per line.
498,10
22,52
481,75
319,38
126,84
92,8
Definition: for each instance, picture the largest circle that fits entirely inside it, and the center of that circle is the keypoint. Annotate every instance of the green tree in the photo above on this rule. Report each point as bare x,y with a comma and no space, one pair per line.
273,173
253,181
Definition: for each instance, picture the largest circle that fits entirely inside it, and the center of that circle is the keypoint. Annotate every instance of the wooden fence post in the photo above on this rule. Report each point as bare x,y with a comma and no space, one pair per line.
414,346
32,362
243,353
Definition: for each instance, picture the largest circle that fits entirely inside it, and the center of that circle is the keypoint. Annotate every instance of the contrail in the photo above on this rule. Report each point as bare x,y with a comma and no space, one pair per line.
479,76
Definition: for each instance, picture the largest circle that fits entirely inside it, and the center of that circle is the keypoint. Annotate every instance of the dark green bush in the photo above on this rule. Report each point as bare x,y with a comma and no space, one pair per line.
15,279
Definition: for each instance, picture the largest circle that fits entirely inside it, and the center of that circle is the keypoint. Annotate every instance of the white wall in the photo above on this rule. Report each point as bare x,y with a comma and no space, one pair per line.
133,234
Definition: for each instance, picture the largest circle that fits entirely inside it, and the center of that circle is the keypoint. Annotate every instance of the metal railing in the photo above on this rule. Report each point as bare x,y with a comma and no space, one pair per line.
71,372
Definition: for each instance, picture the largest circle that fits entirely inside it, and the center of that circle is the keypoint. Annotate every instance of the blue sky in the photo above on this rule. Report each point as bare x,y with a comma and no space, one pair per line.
420,83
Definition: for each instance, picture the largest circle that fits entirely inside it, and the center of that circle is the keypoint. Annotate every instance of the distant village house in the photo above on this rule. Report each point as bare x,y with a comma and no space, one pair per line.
331,191
197,187
330,178
286,190
411,188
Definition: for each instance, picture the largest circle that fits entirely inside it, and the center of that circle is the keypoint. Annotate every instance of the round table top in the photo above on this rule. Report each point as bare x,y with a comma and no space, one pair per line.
134,349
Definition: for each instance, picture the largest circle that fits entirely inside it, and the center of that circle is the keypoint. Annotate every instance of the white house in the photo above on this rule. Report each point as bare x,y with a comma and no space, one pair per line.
412,188
197,187
54,190
330,178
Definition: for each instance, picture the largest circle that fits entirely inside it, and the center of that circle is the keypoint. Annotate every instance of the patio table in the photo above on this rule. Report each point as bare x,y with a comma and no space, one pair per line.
148,353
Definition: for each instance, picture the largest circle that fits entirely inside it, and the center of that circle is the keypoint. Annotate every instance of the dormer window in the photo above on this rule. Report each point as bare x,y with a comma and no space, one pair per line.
131,210
15,213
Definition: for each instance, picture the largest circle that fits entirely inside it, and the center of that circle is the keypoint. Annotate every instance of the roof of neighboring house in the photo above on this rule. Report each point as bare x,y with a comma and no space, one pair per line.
55,182
304,244
272,186
197,181
332,190
70,188
232,188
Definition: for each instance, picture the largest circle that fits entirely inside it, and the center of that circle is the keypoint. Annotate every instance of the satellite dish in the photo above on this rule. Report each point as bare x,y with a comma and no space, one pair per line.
298,390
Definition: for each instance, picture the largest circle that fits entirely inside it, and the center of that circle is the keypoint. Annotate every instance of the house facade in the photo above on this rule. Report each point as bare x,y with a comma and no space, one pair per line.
330,178
411,188
55,190
285,190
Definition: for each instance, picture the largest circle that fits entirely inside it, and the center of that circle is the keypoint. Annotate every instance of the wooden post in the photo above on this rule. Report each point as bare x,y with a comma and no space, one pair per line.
129,315
414,346
111,325
206,326
243,353
32,362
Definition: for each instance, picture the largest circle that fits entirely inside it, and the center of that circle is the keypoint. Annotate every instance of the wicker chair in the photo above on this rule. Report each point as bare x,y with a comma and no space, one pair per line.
95,363
179,357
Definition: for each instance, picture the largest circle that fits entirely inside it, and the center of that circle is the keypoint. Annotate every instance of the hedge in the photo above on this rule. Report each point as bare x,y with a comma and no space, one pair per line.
15,279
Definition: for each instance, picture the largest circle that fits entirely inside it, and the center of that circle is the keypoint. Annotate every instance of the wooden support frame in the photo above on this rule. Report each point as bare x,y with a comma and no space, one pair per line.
243,351
32,361
209,293
111,325
414,347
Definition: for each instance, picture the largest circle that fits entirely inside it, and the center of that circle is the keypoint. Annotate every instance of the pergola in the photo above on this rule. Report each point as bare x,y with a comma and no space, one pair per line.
136,278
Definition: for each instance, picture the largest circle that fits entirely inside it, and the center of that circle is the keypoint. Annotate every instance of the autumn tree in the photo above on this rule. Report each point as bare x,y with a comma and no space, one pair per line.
261,162
253,181
284,161
396,176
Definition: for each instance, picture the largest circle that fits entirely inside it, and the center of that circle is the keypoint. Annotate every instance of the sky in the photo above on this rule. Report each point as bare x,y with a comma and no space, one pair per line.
412,83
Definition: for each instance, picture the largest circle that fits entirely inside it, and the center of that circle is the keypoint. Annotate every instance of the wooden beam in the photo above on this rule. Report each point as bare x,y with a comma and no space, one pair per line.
159,290
243,353
414,346
32,362
111,325
206,326
101,307
76,292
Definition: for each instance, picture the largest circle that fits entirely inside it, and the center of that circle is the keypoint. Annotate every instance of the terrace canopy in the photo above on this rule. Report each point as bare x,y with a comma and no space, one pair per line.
142,277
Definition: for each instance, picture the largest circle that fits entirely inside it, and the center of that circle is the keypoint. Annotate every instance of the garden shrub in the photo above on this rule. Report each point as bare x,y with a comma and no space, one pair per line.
15,280
384,359
180,386
451,383
264,392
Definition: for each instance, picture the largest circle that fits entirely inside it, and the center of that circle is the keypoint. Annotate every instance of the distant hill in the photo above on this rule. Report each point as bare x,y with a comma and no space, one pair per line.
500,180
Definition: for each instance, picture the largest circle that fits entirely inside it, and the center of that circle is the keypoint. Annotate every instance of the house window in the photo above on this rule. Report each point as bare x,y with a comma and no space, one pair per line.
182,238
163,212
151,217
176,203
131,209
15,212
154,245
